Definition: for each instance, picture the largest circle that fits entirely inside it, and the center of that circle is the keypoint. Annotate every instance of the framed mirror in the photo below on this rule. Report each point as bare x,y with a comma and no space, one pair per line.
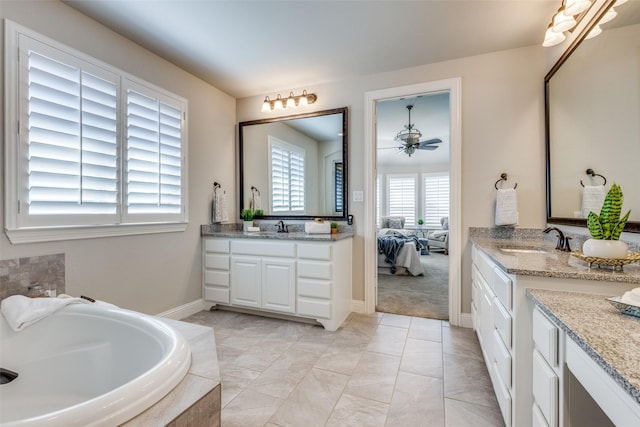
592,98
295,167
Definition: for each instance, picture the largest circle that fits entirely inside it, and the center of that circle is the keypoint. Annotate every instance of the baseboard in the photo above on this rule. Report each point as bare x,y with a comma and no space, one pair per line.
357,306
465,320
184,310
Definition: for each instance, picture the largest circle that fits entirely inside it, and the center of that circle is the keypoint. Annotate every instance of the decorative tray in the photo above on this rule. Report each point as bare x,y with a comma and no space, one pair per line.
629,309
611,262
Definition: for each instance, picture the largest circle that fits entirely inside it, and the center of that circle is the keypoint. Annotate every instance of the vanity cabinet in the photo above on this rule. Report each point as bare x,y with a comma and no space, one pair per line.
310,279
522,350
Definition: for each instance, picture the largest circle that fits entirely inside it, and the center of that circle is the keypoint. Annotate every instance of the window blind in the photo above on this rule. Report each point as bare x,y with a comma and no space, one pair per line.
154,155
287,177
72,140
402,198
436,199
338,179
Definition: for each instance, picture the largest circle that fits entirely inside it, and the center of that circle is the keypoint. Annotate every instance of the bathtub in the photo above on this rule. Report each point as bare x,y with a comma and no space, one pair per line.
88,365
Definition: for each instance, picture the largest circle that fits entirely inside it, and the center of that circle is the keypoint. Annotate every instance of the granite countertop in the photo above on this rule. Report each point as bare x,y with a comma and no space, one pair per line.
610,338
550,263
294,235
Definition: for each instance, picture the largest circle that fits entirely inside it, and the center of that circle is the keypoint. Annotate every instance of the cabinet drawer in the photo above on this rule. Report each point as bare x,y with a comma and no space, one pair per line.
217,261
502,322
502,358
216,294
502,395
272,249
314,308
545,389
315,269
545,337
314,288
485,266
320,252
216,245
502,286
216,278
537,419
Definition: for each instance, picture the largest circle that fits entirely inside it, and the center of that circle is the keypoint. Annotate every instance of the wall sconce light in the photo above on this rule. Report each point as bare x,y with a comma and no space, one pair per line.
292,101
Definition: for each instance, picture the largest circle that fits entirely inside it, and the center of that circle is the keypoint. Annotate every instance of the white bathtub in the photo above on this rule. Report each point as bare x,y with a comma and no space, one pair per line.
88,365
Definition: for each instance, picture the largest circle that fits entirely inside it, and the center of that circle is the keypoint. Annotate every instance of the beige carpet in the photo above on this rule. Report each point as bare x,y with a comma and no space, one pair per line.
421,296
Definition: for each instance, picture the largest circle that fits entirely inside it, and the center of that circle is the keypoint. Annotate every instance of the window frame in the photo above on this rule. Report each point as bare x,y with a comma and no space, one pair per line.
16,151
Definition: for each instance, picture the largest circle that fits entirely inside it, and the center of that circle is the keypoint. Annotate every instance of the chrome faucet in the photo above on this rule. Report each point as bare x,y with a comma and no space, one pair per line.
563,241
281,227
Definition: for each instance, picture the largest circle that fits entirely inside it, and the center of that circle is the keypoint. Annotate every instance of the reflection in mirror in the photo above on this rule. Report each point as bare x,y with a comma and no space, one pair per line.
593,119
295,166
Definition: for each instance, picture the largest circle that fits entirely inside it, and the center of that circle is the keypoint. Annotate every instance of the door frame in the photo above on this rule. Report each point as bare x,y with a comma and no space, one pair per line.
454,87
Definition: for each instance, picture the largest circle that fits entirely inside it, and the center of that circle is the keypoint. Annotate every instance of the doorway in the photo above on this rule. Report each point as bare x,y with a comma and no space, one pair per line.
412,205
453,88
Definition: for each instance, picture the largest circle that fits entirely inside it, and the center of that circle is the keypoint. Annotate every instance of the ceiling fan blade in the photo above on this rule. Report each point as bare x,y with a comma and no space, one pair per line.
428,147
430,142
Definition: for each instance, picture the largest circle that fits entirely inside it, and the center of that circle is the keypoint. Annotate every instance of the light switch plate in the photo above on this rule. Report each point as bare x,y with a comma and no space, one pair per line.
358,196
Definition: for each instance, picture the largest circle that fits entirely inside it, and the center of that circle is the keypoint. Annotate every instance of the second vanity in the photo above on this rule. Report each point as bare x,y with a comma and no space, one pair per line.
294,274
503,269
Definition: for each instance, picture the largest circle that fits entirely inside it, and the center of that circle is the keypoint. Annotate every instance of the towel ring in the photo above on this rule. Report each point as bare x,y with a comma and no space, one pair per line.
255,189
503,177
593,174
215,187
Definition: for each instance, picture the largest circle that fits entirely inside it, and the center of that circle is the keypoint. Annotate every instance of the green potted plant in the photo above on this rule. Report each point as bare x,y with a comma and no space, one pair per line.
606,228
258,212
420,222
247,218
334,227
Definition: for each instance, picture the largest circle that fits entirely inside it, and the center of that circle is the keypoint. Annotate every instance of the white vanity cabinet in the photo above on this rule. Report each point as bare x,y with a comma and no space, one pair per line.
303,278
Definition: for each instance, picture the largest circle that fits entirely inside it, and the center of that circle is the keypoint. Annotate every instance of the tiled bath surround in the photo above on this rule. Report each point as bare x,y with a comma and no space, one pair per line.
16,275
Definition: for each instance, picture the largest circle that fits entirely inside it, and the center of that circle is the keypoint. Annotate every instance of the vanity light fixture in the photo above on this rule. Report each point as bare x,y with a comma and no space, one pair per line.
292,101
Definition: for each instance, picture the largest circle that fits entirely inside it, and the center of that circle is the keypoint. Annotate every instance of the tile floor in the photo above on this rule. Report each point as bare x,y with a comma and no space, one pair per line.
376,370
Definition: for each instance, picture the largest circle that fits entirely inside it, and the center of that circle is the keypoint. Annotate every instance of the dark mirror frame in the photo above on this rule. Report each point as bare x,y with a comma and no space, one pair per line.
632,226
345,176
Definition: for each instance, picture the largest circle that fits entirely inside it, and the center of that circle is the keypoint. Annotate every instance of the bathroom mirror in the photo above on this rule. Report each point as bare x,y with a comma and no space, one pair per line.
296,166
593,120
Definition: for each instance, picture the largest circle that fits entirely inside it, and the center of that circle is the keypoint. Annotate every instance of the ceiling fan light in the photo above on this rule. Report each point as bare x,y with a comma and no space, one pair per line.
595,31
575,7
611,13
562,22
551,38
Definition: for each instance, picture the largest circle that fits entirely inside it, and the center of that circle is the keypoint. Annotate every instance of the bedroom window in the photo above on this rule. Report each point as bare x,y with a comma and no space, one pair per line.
287,176
436,199
96,152
401,190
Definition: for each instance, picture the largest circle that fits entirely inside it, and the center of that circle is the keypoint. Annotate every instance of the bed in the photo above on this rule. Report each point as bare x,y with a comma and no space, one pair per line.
404,244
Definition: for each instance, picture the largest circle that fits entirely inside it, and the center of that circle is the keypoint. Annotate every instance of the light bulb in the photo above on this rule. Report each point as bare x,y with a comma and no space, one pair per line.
303,100
266,105
278,105
551,38
291,102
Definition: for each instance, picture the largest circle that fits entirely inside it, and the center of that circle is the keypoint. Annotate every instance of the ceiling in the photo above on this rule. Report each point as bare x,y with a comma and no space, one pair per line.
249,48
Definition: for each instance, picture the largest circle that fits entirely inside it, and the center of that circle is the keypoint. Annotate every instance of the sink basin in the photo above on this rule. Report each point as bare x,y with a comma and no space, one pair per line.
524,250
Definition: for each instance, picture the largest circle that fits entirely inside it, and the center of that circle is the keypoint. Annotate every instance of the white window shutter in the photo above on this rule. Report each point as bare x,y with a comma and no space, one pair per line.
287,164
436,199
402,197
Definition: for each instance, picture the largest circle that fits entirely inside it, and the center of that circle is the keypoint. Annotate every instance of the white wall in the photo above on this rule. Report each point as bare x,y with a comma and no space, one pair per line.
503,131
150,273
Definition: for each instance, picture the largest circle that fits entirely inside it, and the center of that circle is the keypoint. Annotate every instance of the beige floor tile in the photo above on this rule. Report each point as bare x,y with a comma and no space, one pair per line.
397,320
426,329
461,341
417,401
312,401
375,377
341,356
234,380
249,409
357,412
422,357
388,340
463,414
466,379
284,374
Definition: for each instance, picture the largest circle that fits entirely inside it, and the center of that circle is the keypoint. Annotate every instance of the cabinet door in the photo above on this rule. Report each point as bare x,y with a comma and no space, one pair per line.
279,285
246,281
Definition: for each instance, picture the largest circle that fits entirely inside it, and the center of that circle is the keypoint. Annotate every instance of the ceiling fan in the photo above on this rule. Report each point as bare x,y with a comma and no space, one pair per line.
409,138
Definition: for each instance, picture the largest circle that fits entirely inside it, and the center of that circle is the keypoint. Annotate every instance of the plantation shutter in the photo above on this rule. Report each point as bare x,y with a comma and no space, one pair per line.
402,198
436,199
338,186
72,138
154,155
287,177
296,178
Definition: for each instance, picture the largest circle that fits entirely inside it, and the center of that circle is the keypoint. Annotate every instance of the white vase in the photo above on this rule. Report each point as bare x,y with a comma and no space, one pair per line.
613,249
246,225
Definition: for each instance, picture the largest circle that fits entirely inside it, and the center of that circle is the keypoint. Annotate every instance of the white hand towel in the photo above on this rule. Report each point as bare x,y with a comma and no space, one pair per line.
507,207
220,213
21,311
631,297
592,199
